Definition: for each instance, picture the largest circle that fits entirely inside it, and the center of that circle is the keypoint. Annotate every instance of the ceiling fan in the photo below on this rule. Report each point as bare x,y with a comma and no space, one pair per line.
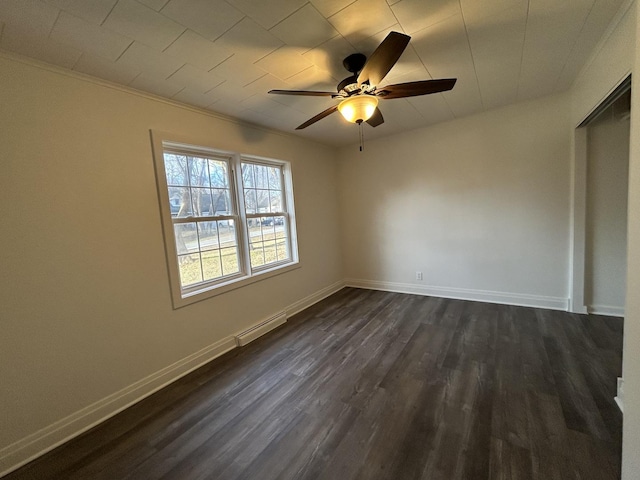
359,93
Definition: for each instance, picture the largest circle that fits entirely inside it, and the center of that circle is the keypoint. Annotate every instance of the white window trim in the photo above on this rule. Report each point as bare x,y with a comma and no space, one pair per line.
246,276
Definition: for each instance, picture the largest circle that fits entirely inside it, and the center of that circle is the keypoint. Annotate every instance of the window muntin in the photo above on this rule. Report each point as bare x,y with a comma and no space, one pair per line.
228,220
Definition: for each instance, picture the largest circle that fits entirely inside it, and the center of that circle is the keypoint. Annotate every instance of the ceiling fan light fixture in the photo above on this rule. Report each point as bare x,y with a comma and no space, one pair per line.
358,109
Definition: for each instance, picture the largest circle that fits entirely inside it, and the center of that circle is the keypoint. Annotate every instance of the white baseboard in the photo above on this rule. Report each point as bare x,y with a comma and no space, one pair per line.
552,303
38,443
620,393
606,310
309,300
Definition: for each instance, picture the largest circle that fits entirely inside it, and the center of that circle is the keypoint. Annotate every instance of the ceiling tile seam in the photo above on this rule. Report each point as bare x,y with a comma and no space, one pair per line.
309,68
421,61
175,39
524,42
82,54
431,76
257,79
172,73
172,56
231,27
125,51
53,25
397,19
75,64
473,60
220,63
109,14
416,109
435,23
371,36
292,13
275,99
165,4
343,8
186,27
294,74
573,47
315,46
178,92
134,79
269,53
214,87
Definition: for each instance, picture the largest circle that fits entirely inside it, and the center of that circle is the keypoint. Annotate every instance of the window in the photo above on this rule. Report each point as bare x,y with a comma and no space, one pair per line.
228,219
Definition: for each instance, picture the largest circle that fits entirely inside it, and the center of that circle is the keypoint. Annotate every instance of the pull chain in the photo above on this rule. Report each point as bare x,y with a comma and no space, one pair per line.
361,136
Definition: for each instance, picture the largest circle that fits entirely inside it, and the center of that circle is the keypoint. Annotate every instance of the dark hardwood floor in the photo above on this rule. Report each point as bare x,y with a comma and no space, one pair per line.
376,385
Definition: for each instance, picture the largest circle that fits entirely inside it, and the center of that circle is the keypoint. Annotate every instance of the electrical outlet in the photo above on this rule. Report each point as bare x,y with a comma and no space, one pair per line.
418,275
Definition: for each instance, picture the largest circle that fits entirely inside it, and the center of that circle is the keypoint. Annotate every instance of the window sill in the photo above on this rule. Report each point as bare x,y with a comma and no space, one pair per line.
182,300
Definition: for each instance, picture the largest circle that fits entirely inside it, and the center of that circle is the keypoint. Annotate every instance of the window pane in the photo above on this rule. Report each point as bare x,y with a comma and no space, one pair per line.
218,174
175,167
227,233
201,201
268,228
248,179
180,201
282,248
255,231
262,201
261,176
280,227
274,178
198,172
275,201
250,201
257,255
221,202
208,235
190,269
211,266
270,252
230,263
186,238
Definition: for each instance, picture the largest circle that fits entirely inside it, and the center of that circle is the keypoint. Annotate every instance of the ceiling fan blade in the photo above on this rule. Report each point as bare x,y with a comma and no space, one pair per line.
320,116
376,119
413,89
307,93
383,58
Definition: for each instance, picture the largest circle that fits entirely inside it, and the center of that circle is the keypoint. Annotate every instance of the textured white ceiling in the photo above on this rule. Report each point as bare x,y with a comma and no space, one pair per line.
225,55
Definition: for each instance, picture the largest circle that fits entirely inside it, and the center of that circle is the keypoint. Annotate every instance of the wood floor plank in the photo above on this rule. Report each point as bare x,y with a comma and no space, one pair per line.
383,386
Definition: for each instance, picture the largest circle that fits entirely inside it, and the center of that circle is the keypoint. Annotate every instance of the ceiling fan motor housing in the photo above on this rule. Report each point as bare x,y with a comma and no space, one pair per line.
354,62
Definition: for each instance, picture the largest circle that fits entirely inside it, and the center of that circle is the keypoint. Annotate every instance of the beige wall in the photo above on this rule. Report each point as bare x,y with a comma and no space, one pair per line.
85,306
480,205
